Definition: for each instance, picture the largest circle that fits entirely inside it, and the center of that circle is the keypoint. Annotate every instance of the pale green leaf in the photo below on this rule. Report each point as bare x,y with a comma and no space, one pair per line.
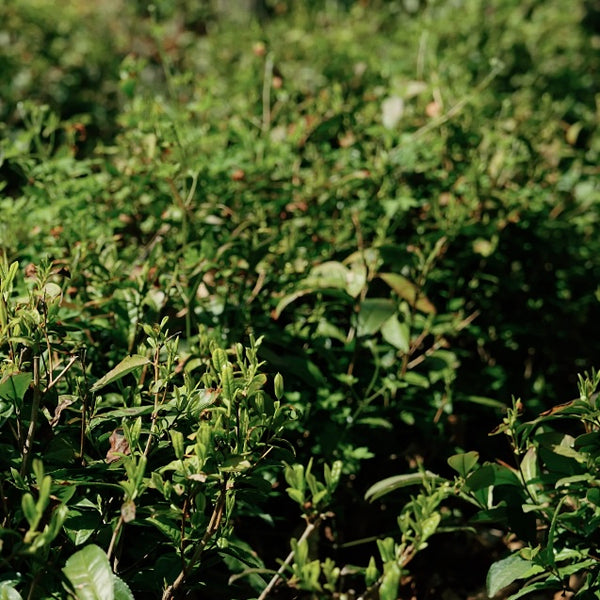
121,589
385,486
330,274
397,334
90,574
8,592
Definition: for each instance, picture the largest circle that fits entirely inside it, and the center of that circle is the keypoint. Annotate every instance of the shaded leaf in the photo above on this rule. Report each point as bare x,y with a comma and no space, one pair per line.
374,312
507,570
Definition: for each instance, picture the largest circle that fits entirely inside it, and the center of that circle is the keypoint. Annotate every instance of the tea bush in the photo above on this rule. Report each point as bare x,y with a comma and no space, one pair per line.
392,207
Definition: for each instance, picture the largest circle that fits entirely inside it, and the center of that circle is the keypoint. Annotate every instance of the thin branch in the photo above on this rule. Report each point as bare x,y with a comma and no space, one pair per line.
213,527
28,446
310,527
458,107
53,382
113,539
266,94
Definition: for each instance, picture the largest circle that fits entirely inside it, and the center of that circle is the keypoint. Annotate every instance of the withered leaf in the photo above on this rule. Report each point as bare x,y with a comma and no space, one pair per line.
128,511
118,446
64,402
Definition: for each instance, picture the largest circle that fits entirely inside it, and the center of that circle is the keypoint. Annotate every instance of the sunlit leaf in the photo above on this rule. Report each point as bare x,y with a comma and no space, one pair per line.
396,333
126,366
90,574
407,290
464,463
15,386
385,486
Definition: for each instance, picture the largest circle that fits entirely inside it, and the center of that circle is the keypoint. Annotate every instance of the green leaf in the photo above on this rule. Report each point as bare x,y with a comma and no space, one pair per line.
529,465
126,366
507,570
567,481
552,584
90,574
385,486
330,274
178,443
375,422
278,386
227,382
416,379
482,400
408,291
390,581
593,495
287,300
429,525
79,526
52,292
397,334
8,592
30,510
14,388
374,312
464,463
121,589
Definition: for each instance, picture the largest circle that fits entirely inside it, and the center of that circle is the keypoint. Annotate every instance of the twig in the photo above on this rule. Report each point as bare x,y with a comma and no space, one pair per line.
439,343
213,527
84,407
266,94
113,539
310,527
28,446
457,108
53,382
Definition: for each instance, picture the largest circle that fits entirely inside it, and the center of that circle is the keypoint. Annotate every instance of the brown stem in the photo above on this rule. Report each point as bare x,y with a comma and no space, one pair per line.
113,539
213,527
28,446
310,527
84,410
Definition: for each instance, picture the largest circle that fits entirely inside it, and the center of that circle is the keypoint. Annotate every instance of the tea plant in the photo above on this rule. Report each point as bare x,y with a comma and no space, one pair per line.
160,453
396,203
548,499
